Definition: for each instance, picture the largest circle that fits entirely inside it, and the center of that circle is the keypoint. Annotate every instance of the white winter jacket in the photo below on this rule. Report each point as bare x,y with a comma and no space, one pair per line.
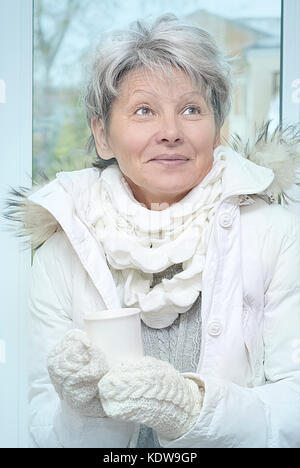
249,358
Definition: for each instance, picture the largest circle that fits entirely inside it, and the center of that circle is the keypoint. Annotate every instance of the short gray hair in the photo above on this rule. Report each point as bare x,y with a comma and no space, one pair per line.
163,43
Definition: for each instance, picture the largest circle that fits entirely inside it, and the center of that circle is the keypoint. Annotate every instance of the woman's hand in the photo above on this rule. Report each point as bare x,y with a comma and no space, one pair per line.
75,367
151,392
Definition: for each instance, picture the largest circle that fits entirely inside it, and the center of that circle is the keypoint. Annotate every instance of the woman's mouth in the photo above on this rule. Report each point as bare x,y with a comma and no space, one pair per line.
170,159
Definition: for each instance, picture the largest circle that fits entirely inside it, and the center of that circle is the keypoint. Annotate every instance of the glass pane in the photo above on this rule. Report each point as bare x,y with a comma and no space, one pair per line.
66,33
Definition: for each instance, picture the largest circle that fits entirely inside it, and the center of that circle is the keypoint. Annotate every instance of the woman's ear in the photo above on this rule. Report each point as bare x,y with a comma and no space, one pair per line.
101,143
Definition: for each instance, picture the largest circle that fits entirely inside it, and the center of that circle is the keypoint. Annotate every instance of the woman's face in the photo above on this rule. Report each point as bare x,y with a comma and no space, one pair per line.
162,134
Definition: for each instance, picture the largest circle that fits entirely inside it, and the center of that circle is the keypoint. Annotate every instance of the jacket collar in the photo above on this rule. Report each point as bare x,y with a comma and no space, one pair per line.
60,198
243,177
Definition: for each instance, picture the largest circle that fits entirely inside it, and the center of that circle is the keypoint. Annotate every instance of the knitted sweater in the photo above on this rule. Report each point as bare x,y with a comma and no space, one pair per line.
179,344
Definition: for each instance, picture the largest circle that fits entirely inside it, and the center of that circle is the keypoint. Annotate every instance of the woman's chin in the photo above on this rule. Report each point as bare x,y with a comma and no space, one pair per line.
168,184
171,193
165,187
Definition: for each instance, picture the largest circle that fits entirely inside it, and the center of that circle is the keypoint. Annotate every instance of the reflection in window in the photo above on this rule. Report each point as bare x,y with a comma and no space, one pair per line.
66,33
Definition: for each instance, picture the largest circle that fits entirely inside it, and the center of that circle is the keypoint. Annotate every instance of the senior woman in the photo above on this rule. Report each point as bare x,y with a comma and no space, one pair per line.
185,229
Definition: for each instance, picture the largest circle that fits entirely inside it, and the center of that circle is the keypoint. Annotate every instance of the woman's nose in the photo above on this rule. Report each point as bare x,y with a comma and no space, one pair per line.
169,131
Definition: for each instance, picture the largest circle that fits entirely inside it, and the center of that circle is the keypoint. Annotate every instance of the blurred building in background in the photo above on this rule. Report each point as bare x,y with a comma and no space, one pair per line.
255,42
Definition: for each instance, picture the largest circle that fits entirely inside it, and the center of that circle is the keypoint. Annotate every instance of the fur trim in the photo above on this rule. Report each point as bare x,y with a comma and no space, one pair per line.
278,150
33,223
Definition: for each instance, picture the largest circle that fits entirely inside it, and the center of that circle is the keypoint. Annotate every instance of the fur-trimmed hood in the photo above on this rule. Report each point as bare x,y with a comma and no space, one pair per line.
266,165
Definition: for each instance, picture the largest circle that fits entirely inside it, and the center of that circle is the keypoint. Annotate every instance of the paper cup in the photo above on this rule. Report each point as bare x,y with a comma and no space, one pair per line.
117,332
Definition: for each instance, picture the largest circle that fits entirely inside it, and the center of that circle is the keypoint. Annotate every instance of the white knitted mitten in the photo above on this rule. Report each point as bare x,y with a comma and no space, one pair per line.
75,367
151,392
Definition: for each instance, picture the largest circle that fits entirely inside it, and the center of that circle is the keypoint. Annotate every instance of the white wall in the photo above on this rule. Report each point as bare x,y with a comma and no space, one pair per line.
15,170
263,64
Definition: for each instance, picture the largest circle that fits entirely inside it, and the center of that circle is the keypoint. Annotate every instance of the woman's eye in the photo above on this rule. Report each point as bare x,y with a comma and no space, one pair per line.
143,111
192,110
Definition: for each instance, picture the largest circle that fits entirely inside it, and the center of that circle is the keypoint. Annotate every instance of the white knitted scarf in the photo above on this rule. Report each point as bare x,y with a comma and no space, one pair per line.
139,242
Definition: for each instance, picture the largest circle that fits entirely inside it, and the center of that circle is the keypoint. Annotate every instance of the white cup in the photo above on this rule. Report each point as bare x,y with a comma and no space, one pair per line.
117,332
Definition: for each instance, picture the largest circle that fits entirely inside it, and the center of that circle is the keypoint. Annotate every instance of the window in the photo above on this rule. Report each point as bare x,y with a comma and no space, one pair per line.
65,34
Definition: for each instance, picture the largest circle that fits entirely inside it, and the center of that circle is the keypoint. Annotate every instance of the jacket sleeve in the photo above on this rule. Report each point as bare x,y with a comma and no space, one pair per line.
54,424
266,416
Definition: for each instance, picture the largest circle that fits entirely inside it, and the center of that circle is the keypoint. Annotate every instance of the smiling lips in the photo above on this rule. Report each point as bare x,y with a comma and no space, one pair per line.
170,159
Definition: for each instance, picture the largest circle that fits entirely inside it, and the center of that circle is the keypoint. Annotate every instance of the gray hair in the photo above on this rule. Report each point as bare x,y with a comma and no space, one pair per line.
167,42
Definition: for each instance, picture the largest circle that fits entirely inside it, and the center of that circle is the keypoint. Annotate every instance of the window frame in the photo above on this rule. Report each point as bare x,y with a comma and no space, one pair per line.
16,170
